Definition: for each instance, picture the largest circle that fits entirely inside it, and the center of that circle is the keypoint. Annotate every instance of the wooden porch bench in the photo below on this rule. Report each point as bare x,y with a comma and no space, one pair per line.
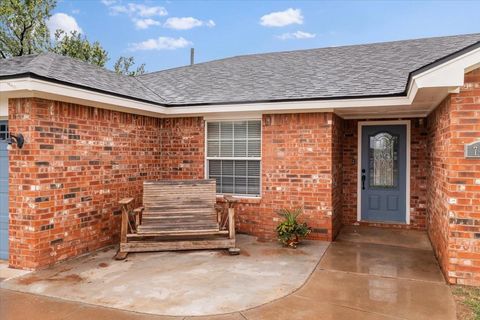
176,215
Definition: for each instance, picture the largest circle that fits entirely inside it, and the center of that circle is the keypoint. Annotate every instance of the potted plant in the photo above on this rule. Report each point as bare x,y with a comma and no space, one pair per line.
290,230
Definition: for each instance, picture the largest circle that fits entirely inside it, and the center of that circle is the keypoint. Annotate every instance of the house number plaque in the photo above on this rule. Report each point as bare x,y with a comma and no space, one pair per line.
472,150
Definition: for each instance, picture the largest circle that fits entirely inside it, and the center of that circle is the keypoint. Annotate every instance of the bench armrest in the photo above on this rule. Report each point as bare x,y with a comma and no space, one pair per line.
138,210
126,201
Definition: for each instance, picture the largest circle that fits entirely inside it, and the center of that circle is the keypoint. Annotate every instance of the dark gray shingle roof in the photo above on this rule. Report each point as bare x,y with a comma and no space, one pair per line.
349,71
76,72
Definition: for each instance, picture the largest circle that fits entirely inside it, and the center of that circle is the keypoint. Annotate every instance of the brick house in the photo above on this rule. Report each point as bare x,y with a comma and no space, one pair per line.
379,134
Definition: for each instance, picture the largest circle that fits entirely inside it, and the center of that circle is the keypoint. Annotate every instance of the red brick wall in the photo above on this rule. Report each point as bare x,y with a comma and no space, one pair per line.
183,148
65,183
418,186
337,173
296,172
437,181
454,203
78,161
296,169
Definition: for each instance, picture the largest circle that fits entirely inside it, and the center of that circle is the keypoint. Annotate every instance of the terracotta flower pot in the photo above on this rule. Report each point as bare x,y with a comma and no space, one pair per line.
292,242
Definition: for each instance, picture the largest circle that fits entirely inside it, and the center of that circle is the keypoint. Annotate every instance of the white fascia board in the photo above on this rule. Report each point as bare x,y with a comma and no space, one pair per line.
367,116
232,116
450,73
41,88
294,106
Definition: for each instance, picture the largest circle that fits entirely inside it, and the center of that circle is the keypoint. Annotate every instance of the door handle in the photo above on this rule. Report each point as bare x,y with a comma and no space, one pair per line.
363,179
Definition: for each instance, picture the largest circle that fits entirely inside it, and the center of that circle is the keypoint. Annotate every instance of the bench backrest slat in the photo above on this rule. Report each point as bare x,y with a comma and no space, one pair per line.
179,205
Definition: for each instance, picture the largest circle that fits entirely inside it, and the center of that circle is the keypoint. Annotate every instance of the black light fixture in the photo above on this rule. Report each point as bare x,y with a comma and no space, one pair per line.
18,139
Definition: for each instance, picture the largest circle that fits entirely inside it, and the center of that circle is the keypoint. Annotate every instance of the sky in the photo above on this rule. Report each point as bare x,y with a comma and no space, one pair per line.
161,33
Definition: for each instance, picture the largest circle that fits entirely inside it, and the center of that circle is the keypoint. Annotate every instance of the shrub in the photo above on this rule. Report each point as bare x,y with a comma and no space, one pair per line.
290,230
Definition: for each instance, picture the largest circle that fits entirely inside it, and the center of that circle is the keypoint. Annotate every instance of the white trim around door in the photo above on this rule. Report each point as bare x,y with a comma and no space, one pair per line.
361,124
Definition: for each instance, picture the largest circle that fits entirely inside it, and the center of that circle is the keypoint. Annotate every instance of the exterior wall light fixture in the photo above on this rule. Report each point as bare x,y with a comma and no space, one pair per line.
15,139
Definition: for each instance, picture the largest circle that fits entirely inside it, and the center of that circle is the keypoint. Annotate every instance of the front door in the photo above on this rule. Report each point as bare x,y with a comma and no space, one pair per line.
3,191
383,173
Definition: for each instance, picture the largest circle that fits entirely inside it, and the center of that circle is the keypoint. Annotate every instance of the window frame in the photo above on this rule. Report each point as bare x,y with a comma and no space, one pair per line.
207,158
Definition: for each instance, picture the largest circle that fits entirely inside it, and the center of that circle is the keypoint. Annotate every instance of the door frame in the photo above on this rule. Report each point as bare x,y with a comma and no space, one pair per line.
362,124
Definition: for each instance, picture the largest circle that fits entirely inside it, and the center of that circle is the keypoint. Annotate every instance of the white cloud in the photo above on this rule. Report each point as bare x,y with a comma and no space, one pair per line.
139,10
186,23
145,11
114,10
64,22
282,18
161,43
108,2
145,23
297,35
140,14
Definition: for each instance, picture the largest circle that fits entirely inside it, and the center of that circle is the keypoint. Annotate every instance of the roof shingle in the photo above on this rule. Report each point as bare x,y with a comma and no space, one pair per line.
347,71
378,69
79,73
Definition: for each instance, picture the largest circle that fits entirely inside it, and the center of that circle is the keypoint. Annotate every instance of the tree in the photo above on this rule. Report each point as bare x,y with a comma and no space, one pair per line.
77,46
23,28
123,64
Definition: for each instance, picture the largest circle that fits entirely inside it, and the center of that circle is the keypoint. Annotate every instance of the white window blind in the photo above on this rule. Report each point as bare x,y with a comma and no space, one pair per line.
234,156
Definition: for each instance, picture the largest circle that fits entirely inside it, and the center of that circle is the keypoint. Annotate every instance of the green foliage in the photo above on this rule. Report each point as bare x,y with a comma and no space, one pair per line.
290,230
77,46
123,64
469,297
23,28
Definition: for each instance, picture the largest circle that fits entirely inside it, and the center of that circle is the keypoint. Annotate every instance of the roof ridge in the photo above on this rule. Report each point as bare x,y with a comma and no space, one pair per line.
310,49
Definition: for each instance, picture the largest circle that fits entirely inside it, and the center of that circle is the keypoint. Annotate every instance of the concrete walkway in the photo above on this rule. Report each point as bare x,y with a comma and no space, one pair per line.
367,274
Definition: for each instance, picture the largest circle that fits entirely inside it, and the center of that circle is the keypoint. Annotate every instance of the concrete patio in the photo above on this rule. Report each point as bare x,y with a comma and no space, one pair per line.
367,274
179,283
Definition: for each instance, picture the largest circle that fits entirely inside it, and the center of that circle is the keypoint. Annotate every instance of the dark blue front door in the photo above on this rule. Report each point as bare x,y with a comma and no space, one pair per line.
383,173
3,191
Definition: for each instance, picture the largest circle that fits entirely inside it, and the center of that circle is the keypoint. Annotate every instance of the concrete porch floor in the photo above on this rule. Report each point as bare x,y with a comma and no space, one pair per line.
179,283
368,273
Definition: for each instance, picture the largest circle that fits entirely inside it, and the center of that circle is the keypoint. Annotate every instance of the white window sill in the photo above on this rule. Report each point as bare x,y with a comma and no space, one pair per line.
219,195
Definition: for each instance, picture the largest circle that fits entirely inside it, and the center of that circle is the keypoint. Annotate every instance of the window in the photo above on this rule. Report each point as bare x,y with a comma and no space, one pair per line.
3,130
383,160
234,155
